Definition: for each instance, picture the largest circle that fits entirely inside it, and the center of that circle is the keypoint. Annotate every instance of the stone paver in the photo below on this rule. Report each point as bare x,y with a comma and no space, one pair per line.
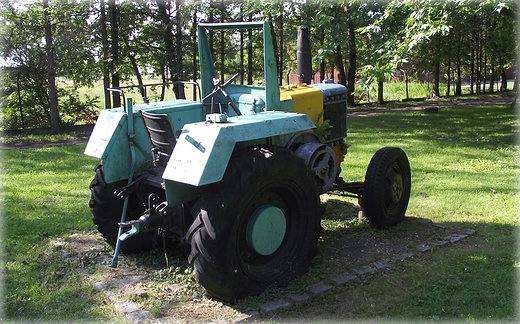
319,288
364,270
298,297
272,307
383,264
343,278
404,256
126,307
423,248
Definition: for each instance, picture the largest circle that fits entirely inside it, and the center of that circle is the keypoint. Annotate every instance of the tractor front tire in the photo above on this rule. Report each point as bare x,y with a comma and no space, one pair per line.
107,210
387,186
258,227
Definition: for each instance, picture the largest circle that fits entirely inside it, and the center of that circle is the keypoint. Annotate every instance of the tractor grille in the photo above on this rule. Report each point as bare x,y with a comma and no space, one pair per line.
335,109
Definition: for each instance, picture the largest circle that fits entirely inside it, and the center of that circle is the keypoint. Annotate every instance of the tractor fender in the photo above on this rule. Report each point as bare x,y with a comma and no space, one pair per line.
203,150
109,142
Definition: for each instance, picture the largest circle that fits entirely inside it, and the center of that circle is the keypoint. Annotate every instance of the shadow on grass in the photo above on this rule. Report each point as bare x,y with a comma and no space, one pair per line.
469,279
442,277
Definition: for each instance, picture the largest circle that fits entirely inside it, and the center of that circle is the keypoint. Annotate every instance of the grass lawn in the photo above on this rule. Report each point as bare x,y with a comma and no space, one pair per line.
464,174
464,165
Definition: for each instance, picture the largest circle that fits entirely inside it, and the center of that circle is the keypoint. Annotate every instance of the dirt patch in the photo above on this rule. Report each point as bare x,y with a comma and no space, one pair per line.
362,248
145,290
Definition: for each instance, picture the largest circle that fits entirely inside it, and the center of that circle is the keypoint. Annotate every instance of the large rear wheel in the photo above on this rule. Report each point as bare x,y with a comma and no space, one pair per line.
257,227
387,187
107,209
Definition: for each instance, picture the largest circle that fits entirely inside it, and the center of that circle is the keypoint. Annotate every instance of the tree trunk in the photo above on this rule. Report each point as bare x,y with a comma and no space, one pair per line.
479,64
484,76
458,81
338,61
503,78
322,63
194,52
472,70
458,84
517,75
51,72
380,89
436,79
105,48
18,92
166,27
352,64
112,8
164,79
179,66
133,61
492,79
448,83
407,94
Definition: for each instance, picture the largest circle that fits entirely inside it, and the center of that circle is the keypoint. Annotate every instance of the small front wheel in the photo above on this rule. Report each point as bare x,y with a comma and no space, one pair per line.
387,187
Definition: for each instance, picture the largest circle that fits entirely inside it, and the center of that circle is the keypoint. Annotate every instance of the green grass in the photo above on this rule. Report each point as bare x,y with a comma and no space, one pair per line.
396,91
464,159
458,155
45,197
32,139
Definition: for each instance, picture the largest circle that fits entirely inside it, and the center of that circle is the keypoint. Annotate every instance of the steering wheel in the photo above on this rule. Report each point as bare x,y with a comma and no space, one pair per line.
219,87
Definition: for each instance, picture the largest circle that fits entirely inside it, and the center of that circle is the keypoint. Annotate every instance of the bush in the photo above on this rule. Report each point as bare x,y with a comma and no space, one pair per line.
24,109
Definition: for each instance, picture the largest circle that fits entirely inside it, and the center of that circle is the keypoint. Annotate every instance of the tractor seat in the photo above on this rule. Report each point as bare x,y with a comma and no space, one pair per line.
162,136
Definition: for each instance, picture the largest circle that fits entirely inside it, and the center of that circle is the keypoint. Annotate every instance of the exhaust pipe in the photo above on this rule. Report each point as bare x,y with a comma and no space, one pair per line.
303,55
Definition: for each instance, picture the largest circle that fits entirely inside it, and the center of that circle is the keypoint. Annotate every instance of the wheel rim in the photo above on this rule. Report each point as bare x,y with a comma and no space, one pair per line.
395,187
278,203
266,230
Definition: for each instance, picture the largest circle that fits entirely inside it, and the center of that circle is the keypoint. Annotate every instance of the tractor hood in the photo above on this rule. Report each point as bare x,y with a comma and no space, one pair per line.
203,150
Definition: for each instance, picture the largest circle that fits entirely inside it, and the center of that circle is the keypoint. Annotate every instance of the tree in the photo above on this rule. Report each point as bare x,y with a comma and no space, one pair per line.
41,41
114,50
51,72
51,39
105,52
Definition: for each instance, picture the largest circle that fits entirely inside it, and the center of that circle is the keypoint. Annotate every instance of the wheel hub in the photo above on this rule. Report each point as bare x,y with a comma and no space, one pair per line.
396,187
266,230
322,160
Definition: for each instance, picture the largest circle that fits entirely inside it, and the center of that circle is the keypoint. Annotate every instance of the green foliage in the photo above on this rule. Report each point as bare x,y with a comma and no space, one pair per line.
74,110
323,128
413,36
23,108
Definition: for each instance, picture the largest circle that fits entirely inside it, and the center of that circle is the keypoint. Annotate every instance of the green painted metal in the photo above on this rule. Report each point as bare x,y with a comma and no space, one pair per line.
266,230
130,175
203,150
271,92
109,140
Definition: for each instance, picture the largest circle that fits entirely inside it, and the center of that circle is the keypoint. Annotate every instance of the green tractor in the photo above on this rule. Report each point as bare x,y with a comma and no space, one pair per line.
234,175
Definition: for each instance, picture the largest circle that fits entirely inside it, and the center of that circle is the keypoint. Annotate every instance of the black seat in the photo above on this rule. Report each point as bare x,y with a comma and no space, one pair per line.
162,135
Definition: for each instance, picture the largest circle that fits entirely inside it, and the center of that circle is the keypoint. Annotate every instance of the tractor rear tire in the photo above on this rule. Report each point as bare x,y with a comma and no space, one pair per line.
107,209
266,183
387,187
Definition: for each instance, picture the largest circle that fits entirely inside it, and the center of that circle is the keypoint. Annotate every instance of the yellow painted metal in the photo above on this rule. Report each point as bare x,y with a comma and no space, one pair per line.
341,150
307,100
